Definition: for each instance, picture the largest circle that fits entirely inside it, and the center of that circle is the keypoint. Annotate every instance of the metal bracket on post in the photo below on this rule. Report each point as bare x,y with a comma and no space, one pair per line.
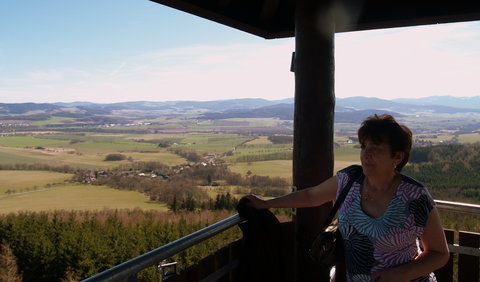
294,189
167,270
292,63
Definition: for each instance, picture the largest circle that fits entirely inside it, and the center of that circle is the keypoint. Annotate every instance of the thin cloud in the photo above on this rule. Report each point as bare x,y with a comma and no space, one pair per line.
407,62
44,76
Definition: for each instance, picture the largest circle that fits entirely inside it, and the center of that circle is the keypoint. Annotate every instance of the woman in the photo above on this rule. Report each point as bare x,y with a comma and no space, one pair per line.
384,212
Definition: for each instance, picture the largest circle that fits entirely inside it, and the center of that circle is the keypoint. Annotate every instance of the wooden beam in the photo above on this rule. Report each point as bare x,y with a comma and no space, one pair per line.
313,121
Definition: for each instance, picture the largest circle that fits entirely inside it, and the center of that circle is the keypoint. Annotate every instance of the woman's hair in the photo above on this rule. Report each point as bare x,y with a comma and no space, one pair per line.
384,128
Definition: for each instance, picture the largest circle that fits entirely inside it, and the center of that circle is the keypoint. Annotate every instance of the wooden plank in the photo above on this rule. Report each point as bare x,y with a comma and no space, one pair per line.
446,272
206,266
234,255
468,266
221,274
190,274
222,258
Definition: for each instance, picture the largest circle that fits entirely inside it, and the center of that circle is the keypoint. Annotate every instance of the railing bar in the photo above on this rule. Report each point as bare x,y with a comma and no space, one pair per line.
464,250
123,270
221,272
455,206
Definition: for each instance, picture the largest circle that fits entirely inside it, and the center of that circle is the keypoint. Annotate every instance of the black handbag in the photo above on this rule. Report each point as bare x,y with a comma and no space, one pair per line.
327,247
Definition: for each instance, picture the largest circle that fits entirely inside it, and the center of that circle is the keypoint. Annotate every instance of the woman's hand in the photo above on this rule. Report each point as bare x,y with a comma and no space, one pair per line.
255,202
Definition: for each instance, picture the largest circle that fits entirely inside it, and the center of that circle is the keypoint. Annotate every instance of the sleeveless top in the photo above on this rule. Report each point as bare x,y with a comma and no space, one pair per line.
373,244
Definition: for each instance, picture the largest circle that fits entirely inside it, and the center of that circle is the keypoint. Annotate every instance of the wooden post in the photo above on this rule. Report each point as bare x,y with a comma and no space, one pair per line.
313,121
468,266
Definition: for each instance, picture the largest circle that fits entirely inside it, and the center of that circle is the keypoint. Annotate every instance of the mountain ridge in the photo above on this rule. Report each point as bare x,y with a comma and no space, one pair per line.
345,108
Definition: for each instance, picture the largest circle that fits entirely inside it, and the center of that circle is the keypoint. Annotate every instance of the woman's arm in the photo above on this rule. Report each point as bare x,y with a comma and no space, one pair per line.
434,256
309,197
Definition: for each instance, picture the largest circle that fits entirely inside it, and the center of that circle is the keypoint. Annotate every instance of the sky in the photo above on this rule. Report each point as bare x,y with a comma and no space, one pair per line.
107,51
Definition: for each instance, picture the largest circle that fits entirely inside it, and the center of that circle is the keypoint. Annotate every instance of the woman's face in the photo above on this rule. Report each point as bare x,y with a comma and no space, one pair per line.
377,158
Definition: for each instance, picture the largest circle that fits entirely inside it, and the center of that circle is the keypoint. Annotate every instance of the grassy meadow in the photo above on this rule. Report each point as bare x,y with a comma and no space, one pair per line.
80,151
25,181
76,197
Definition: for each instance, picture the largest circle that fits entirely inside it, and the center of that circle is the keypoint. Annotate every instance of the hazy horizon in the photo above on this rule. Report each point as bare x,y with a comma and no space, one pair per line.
247,98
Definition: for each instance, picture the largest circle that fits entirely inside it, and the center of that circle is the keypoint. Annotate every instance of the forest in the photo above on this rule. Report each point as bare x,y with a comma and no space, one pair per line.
70,246
449,171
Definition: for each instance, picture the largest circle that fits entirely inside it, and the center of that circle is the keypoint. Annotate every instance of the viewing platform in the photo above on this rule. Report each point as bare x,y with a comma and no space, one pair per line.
223,265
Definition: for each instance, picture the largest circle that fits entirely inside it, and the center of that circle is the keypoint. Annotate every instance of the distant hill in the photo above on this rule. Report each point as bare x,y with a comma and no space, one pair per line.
456,102
23,108
285,112
347,109
364,103
248,103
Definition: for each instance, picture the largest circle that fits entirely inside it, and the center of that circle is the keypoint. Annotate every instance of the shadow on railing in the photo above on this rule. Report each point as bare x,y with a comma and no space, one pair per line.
464,263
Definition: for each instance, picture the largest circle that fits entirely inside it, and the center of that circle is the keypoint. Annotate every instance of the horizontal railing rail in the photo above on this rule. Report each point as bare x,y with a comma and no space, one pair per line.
130,268
456,206
465,208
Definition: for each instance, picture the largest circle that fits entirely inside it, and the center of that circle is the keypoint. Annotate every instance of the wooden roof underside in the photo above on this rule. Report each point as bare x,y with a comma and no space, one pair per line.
275,18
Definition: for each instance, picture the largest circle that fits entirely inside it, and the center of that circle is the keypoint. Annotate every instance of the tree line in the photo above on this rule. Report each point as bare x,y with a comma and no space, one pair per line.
449,171
180,187
286,155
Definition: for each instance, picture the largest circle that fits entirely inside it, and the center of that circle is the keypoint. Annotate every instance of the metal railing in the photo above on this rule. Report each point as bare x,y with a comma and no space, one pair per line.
128,270
460,207
465,208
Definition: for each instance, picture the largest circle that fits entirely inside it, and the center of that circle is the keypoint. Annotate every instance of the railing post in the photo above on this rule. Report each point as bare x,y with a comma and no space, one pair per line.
468,266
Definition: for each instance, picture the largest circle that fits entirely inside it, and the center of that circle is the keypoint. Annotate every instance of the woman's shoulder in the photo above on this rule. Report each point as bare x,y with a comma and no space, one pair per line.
415,189
344,175
410,180
352,171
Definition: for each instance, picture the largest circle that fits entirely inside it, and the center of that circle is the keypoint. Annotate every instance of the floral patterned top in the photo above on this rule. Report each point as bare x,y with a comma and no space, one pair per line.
372,244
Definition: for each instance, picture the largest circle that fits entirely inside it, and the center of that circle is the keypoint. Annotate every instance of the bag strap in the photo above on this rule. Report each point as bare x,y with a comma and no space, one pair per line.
340,199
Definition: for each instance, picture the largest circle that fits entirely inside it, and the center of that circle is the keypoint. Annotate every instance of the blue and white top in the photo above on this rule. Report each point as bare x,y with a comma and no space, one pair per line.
373,244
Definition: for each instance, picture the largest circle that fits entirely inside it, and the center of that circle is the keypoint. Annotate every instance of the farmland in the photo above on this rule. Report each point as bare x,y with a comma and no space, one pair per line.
76,189
76,197
178,139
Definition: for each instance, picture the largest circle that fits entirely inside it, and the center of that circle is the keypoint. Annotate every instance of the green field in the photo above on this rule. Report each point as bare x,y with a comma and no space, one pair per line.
211,143
30,141
469,138
80,151
345,155
21,180
163,157
262,140
276,168
76,197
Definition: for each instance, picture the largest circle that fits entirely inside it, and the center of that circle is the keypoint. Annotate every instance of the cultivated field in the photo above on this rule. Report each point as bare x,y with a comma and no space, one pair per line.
76,197
16,181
